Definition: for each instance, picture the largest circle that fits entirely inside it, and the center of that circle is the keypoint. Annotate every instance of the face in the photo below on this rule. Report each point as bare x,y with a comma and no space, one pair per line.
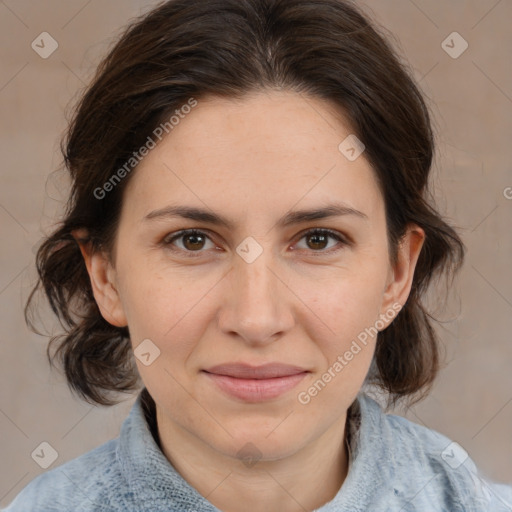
267,286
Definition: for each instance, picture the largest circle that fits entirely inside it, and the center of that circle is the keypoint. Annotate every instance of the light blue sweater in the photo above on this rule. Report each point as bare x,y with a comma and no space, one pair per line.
395,465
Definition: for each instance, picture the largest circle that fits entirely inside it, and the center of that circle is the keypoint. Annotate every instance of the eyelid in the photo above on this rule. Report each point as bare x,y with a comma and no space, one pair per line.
343,240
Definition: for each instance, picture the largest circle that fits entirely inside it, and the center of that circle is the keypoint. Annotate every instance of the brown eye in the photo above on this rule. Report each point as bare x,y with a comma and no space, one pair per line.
192,240
318,240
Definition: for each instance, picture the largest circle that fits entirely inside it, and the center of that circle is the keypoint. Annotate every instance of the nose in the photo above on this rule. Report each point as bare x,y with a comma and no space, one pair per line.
259,305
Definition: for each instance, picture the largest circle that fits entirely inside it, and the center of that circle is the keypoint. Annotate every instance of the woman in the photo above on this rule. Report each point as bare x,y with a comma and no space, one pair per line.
249,217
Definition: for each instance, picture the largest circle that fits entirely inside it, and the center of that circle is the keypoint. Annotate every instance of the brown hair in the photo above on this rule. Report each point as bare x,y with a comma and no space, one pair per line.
191,48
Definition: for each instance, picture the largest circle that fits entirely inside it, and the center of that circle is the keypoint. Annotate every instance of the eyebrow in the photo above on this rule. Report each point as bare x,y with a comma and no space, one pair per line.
291,218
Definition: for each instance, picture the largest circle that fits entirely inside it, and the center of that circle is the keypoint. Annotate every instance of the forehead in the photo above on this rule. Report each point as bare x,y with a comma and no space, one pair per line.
265,152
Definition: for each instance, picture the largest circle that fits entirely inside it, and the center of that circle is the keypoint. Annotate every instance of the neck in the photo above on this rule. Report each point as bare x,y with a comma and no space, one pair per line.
304,480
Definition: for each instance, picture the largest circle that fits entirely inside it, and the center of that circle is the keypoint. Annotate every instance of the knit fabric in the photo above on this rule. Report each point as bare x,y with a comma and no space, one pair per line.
395,465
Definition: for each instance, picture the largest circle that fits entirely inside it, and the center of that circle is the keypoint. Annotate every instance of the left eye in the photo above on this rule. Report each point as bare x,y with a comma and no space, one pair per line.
321,237
193,240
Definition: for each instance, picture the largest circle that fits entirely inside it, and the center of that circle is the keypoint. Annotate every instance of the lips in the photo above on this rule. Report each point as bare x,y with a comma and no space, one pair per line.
255,383
265,371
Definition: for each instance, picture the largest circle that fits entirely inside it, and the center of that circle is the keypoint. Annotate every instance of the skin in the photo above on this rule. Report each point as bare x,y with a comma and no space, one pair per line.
252,161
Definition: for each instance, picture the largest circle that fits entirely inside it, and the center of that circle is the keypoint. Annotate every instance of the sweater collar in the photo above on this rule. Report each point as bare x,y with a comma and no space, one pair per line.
151,477
370,458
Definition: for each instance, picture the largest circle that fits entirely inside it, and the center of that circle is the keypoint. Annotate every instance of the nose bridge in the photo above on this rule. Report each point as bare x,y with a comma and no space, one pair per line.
257,279
258,308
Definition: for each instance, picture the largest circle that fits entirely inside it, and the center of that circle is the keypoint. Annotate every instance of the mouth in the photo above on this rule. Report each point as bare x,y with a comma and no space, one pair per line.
255,383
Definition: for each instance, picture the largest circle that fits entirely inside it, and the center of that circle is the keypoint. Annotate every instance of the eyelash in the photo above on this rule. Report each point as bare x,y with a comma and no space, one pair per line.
167,242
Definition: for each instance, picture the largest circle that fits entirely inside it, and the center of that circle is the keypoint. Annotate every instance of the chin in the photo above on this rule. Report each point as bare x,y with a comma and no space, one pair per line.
258,441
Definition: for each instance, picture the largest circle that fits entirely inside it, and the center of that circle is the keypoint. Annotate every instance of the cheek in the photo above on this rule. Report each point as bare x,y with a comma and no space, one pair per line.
342,317
345,336
152,300
172,315
346,302
169,309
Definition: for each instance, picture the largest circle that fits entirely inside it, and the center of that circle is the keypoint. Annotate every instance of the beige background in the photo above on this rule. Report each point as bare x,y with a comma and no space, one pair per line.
472,101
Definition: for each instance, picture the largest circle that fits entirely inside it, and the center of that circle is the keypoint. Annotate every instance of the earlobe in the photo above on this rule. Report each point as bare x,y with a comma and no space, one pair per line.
102,277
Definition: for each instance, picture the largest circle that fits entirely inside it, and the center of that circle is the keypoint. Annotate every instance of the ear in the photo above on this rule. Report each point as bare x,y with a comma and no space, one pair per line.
103,281
400,276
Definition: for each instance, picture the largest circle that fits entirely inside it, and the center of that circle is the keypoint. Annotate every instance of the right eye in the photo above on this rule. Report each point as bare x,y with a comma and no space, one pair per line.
193,241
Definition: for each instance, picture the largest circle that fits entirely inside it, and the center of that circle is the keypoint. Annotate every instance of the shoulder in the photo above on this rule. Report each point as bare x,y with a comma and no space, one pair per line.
88,482
428,469
127,474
